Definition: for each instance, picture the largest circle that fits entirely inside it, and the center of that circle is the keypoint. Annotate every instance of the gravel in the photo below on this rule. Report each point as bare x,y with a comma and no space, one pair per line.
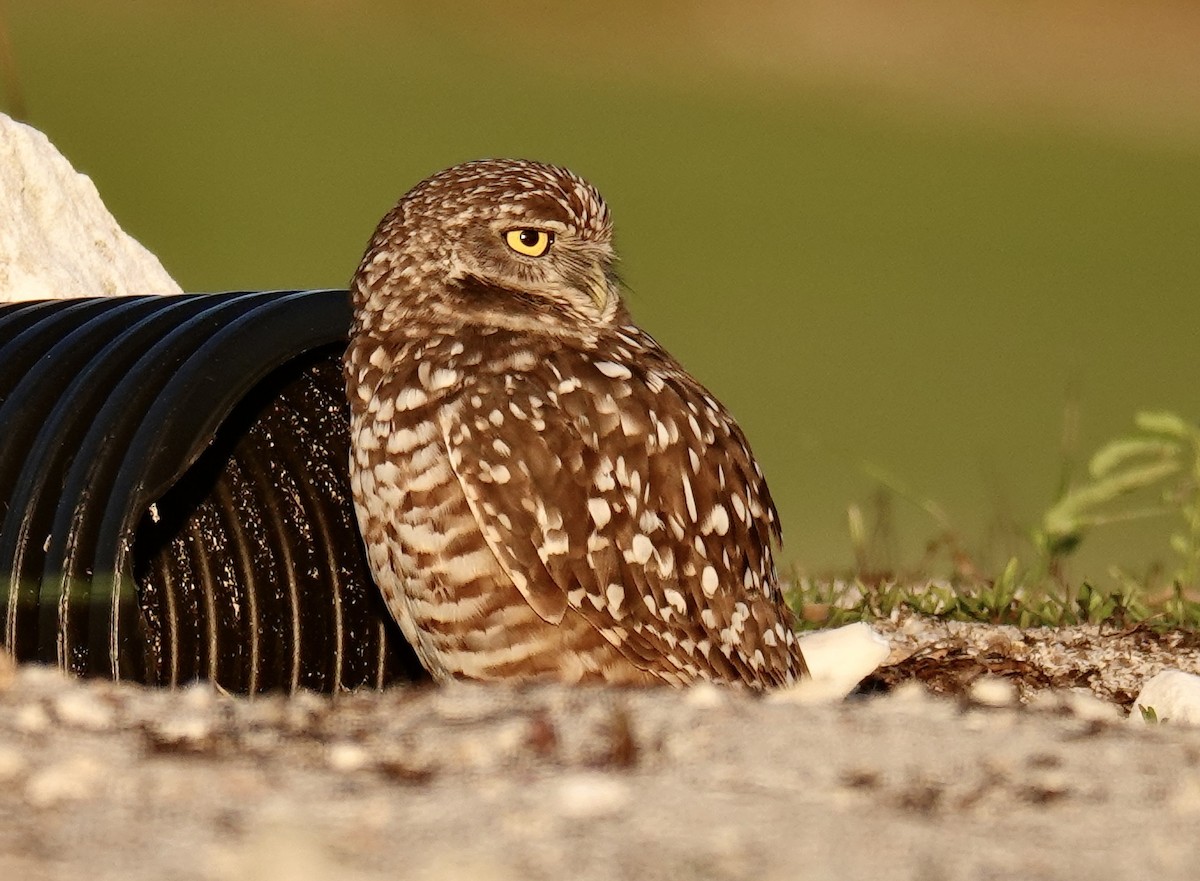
1011,777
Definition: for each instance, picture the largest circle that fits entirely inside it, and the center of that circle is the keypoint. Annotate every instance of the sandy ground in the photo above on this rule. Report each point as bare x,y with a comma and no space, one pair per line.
1014,778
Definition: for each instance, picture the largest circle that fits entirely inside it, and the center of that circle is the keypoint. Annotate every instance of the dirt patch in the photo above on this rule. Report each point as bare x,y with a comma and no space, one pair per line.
948,656
109,781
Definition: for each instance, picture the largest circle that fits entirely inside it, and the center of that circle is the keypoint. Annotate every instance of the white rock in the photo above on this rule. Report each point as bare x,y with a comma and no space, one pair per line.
1173,695
57,239
838,660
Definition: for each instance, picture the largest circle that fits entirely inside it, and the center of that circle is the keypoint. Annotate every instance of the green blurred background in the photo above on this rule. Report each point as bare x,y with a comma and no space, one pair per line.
913,235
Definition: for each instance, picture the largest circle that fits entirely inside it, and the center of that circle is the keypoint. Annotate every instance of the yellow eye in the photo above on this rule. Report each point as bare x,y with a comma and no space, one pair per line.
530,242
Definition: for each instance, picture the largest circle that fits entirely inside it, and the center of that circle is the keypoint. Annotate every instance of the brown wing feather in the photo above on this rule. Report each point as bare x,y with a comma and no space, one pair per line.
623,490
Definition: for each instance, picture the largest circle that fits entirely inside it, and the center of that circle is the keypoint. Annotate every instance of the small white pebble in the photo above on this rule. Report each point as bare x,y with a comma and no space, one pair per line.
993,691
198,695
346,757
589,796
1086,706
913,691
704,696
82,709
186,730
1053,781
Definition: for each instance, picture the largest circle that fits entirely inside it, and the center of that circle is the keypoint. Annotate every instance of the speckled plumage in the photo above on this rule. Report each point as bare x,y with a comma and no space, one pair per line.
543,491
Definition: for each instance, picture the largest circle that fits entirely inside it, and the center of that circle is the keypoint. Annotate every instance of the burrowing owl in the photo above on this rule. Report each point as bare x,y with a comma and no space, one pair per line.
544,492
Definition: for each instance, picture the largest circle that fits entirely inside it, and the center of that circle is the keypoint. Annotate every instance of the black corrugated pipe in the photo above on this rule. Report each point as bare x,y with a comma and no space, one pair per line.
174,502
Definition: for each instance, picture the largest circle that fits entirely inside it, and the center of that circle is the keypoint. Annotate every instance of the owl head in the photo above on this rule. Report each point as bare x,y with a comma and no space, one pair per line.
502,242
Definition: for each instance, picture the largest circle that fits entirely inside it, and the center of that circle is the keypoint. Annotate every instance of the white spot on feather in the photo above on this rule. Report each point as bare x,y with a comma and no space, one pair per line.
406,439
666,562
641,549
386,409
600,511
718,520
410,398
368,439
688,497
554,543
387,472
613,370
648,522
664,436
675,598
442,379
615,594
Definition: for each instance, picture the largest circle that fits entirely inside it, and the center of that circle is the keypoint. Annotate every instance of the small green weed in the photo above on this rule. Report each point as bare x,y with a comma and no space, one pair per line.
1164,458
1009,599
